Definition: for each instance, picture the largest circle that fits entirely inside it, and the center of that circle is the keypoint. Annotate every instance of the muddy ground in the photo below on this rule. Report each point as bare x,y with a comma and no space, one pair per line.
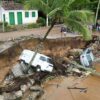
56,88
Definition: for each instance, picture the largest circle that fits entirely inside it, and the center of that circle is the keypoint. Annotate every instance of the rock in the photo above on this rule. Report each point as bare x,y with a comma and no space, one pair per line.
71,57
32,81
76,70
94,46
87,73
34,95
29,84
1,97
18,94
23,88
36,88
75,52
9,96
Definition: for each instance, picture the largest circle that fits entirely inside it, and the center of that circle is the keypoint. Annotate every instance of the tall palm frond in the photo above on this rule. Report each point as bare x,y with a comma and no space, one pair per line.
79,27
63,9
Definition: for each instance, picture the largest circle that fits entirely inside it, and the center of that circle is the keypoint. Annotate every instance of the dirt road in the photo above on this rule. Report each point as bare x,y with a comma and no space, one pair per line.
37,32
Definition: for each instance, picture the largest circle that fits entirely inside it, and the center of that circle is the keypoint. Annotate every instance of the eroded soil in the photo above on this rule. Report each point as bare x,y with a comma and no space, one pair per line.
56,88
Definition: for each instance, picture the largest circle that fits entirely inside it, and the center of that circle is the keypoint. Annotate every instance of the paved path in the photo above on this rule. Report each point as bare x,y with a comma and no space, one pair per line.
37,32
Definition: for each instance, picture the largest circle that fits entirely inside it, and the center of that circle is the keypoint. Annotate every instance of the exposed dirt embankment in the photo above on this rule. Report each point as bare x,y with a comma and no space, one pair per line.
53,48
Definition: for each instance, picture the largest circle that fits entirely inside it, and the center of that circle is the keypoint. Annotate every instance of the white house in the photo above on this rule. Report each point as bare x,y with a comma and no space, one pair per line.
15,15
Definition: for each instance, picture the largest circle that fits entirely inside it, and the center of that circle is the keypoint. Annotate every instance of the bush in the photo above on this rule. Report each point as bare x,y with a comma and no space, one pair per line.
5,23
11,28
41,21
33,25
1,26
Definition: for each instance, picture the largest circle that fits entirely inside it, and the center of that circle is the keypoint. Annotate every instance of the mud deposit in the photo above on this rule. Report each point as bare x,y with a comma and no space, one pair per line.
55,89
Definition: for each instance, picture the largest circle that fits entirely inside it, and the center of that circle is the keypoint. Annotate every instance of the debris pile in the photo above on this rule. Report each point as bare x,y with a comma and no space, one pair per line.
23,77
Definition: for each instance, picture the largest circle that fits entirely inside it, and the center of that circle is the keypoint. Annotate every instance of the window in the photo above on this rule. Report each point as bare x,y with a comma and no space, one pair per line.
42,58
26,14
49,60
33,14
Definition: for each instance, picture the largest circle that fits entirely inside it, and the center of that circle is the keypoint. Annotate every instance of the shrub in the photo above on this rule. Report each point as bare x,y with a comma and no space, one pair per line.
5,24
11,28
41,21
33,25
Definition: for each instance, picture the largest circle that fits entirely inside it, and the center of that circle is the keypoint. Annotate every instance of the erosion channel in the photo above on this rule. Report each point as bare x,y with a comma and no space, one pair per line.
60,84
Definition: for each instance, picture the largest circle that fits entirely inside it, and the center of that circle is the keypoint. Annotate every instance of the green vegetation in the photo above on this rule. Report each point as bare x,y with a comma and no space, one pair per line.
32,25
72,12
5,25
9,28
42,21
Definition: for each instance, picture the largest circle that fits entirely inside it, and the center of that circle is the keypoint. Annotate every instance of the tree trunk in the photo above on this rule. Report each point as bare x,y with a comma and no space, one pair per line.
52,25
93,72
97,12
38,47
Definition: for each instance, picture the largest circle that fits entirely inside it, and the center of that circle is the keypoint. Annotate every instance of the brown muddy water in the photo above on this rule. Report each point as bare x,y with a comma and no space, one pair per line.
56,89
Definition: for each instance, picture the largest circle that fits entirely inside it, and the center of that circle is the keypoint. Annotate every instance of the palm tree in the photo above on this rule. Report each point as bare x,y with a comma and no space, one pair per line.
63,9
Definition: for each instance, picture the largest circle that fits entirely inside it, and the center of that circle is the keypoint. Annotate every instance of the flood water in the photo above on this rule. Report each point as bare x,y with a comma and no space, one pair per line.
56,89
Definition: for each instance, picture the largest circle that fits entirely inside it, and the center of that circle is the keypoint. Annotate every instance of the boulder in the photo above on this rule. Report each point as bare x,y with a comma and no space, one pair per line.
18,94
75,52
1,97
33,96
32,81
36,88
9,96
23,88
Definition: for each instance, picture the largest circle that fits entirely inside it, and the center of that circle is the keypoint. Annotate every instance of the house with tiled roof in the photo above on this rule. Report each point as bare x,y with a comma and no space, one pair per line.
14,14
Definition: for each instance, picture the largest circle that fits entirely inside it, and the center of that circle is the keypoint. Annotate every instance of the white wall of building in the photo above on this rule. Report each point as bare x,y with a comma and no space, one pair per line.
30,19
25,20
1,10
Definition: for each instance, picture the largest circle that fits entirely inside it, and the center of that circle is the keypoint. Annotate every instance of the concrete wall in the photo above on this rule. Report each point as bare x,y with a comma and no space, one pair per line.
25,20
